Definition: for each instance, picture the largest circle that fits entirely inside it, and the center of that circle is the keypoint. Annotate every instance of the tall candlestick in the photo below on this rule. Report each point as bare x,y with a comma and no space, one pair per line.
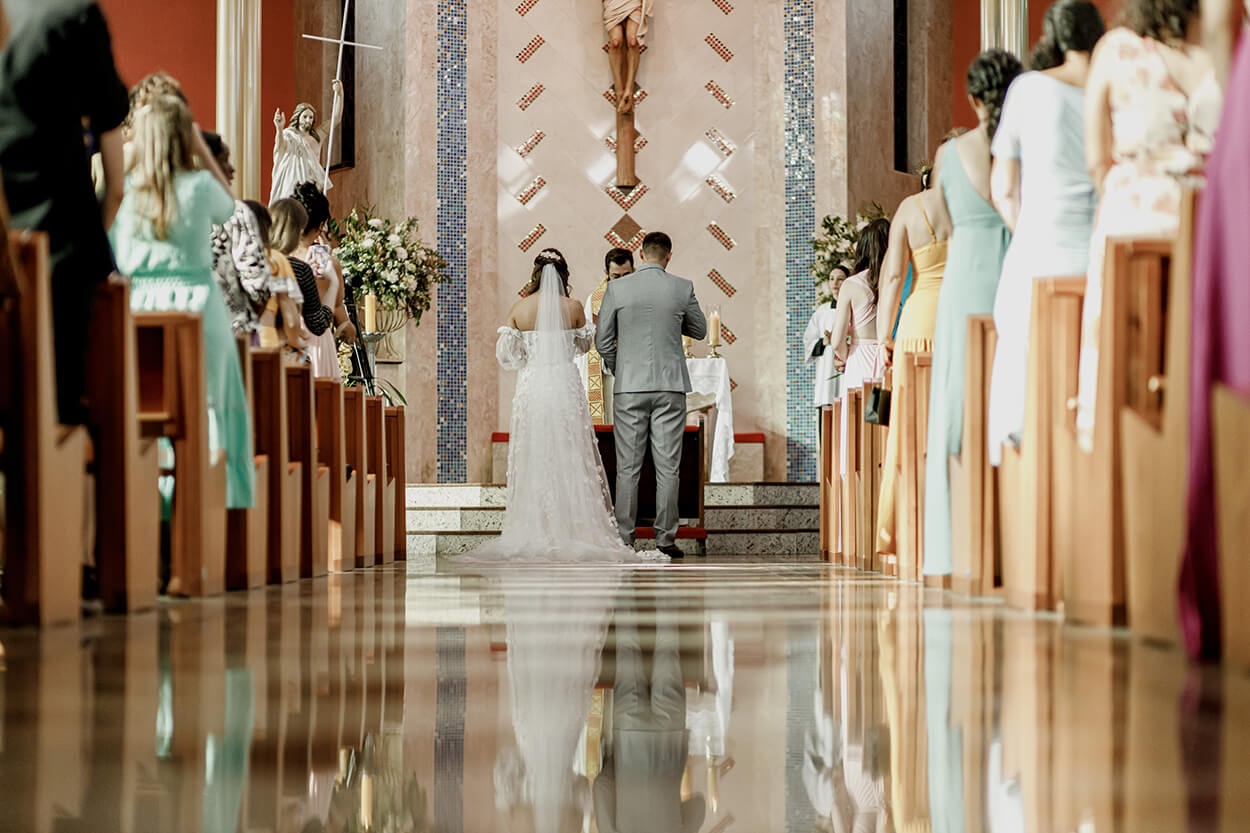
713,329
371,313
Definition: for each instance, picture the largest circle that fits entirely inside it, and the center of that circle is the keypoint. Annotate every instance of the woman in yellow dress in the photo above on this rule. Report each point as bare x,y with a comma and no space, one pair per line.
920,219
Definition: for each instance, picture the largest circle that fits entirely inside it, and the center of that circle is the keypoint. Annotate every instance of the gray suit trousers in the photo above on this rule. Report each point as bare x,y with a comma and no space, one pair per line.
657,419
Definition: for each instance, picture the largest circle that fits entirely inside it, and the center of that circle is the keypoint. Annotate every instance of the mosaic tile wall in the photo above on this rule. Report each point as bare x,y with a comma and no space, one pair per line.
801,434
452,241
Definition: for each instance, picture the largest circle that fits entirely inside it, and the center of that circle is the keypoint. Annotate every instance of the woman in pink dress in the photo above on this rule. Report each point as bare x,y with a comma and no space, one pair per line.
1220,339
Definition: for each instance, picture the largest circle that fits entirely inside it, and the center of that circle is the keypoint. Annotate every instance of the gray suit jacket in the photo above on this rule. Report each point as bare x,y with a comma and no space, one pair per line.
641,322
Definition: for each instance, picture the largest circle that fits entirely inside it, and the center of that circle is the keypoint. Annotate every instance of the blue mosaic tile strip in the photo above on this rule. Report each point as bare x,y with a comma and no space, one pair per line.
452,241
800,150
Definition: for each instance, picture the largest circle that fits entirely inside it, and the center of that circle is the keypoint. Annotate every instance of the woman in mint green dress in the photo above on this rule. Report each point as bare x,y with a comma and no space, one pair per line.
162,239
974,262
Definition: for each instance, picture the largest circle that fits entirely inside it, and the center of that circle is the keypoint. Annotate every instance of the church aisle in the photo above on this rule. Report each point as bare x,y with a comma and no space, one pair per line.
704,696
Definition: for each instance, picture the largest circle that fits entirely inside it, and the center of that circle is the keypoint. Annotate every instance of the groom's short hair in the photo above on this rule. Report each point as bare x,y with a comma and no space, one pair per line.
657,245
618,256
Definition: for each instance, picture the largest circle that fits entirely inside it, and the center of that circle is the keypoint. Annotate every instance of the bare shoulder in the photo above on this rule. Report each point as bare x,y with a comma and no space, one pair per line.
576,312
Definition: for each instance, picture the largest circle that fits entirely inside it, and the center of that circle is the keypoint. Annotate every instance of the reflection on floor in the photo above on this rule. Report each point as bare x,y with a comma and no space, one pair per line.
704,697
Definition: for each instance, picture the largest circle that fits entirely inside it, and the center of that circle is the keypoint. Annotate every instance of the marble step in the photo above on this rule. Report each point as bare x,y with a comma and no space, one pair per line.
790,545
454,496
761,494
431,542
455,519
778,518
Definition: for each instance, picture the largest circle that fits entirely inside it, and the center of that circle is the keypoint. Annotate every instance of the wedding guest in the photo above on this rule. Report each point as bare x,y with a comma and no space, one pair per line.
1042,190
974,261
289,221
239,261
149,87
918,238
854,334
1152,103
1221,304
45,170
162,241
314,250
817,349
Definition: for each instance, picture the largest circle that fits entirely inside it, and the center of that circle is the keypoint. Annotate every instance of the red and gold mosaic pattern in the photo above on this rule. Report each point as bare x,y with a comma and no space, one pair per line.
527,147
640,95
725,286
721,143
732,384
717,93
640,51
720,235
639,143
626,233
529,239
525,6
727,334
530,48
724,5
626,199
531,96
719,48
530,190
721,187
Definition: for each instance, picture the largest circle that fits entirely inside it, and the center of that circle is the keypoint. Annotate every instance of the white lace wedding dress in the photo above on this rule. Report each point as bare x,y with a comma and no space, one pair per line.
559,507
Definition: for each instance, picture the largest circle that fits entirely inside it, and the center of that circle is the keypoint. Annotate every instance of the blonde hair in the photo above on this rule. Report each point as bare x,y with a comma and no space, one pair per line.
151,87
289,219
164,147
300,109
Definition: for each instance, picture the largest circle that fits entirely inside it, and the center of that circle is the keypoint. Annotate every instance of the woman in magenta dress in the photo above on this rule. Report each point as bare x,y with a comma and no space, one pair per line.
1221,340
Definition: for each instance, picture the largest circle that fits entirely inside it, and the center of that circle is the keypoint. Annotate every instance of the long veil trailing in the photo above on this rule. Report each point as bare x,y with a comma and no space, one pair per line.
559,507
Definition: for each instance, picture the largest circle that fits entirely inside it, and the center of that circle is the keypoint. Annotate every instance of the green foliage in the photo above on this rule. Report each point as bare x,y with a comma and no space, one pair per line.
389,260
835,245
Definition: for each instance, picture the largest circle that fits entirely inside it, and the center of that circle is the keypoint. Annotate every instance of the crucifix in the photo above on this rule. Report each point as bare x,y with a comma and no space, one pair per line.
343,43
626,24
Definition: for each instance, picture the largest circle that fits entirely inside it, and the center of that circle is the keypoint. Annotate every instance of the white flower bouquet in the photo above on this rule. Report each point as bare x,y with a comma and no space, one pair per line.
389,261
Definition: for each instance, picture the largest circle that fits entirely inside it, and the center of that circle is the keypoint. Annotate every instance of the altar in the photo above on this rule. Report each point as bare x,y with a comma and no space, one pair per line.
710,377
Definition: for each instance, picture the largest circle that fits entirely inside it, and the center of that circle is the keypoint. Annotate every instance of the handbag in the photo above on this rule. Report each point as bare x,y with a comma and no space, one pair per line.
877,405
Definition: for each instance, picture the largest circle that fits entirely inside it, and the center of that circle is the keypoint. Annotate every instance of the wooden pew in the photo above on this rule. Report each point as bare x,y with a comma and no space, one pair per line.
384,504
973,525
1155,426
853,415
44,464
366,476
835,496
1027,487
827,483
198,535
871,458
396,461
247,530
314,477
1230,448
332,453
910,416
128,541
272,438
1090,533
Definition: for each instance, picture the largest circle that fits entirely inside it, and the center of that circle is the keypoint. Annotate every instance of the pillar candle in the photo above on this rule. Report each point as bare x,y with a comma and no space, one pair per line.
713,328
366,800
371,313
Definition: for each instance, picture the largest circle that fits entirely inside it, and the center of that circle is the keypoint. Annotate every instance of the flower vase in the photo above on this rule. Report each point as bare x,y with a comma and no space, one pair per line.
392,323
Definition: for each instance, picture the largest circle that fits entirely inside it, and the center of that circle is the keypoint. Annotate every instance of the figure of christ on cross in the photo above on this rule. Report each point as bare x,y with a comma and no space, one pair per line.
626,24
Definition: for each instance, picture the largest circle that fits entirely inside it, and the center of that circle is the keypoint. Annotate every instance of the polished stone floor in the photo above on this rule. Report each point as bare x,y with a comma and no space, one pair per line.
709,697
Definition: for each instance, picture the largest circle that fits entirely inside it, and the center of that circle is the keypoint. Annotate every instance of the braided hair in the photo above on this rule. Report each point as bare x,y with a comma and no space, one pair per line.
1069,26
547,257
1166,21
989,77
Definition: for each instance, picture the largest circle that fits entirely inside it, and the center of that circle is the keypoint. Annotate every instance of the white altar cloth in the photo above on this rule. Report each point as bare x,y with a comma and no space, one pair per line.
711,376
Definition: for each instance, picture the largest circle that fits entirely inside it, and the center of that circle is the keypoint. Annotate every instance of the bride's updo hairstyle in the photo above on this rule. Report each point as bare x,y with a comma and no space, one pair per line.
547,257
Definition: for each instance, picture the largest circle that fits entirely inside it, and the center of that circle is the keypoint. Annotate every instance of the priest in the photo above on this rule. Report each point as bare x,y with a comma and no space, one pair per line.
616,264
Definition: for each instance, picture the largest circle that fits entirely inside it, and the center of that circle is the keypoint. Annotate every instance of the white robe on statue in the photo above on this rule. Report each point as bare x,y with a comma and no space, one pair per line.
297,162
616,12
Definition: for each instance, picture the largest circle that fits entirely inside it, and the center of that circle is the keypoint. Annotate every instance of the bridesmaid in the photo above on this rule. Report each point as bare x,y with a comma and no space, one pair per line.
974,261
1044,194
920,219
162,240
1221,341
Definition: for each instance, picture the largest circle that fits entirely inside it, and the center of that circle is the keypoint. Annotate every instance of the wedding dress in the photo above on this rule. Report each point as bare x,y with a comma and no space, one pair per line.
559,507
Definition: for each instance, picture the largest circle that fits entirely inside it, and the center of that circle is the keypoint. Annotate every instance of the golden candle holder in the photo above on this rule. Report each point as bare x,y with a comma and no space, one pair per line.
687,344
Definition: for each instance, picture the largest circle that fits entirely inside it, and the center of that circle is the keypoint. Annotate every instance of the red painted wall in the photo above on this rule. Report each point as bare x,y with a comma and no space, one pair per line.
177,37
277,65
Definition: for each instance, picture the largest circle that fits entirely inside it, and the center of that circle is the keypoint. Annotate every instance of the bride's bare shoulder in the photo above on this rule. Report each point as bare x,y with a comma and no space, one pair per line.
577,313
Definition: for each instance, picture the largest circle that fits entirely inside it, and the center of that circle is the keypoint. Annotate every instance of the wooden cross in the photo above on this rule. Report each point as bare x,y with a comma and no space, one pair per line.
626,135
338,76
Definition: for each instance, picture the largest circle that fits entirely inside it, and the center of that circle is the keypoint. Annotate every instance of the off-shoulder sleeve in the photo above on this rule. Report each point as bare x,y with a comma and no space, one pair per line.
510,349
584,339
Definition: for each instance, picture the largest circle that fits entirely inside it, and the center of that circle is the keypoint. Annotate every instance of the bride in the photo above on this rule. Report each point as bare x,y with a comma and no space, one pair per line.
559,507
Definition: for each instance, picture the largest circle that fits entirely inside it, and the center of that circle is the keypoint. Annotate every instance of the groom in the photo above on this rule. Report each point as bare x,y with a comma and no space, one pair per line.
641,322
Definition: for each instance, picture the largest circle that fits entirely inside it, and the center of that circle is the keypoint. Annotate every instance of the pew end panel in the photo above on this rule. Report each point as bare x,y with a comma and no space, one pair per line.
384,499
396,462
247,530
911,420
853,419
314,479
272,438
1230,448
128,543
826,481
332,453
366,481
975,559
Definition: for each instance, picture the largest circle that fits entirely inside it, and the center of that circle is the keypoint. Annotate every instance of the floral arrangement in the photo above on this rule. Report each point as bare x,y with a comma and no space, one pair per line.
389,260
835,244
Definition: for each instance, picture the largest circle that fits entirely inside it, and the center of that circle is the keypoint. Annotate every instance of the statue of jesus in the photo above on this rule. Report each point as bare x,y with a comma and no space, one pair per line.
298,145
626,24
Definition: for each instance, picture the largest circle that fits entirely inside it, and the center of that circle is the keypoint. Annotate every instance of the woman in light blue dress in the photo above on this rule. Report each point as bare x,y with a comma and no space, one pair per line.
974,261
162,240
